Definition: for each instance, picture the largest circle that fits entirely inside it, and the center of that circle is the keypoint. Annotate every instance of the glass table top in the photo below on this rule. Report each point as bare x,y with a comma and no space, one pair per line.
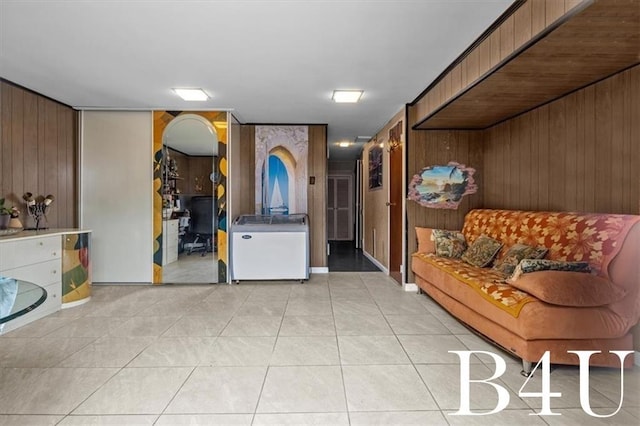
17,297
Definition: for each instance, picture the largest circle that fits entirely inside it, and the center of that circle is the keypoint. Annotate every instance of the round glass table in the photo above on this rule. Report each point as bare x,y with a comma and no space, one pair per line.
17,297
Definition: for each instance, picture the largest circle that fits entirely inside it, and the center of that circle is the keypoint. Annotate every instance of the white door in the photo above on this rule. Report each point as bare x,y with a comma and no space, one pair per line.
340,207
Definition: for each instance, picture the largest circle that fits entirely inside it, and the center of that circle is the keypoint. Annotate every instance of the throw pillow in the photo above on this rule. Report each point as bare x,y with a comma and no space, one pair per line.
449,243
534,265
482,251
570,288
425,240
515,254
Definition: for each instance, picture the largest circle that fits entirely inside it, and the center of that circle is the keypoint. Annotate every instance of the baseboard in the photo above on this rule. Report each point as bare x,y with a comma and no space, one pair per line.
410,287
319,270
375,262
636,358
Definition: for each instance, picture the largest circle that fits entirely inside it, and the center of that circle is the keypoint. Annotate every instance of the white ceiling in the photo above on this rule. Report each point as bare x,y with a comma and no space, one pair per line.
269,61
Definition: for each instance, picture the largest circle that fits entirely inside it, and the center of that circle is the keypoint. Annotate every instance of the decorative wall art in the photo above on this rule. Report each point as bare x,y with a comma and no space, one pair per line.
281,169
375,166
442,187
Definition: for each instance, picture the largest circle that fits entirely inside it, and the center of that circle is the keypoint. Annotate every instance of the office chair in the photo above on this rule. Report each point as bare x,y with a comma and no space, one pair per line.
201,224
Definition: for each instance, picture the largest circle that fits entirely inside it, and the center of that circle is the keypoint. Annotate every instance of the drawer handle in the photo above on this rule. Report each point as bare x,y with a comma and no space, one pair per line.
54,271
41,243
54,253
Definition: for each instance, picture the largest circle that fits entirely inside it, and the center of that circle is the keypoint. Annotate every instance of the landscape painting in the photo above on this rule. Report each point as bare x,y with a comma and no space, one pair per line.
442,187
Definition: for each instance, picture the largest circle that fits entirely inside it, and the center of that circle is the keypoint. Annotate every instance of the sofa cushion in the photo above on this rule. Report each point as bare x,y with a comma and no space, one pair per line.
534,265
482,251
569,288
515,254
449,243
426,243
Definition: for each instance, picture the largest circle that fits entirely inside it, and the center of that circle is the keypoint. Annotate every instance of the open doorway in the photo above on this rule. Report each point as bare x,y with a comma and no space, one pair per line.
189,205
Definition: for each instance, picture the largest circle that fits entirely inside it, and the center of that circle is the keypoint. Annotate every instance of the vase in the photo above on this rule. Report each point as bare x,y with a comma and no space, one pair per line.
4,221
15,223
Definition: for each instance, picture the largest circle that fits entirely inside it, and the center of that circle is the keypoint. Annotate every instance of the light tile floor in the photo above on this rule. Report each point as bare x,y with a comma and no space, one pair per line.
344,348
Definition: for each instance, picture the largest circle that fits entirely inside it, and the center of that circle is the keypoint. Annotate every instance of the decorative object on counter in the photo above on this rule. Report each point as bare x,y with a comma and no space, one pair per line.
442,187
37,207
5,215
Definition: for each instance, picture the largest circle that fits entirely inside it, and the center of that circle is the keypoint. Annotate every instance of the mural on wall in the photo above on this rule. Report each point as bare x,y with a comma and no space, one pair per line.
375,166
281,169
76,267
161,120
442,187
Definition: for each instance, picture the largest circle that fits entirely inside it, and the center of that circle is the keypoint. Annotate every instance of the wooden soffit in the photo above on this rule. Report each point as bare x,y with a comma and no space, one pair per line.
590,45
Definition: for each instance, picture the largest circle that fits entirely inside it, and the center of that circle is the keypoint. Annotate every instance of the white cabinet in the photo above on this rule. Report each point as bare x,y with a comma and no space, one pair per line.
38,260
170,241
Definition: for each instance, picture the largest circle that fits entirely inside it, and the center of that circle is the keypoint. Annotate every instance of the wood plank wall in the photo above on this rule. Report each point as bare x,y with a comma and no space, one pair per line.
439,147
524,24
243,169
38,153
579,153
317,195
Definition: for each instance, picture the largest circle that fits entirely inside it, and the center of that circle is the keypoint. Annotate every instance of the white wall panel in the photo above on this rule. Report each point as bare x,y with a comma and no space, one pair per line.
116,179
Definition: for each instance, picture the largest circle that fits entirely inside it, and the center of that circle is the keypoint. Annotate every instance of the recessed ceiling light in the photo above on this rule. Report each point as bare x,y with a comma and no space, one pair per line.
343,144
192,94
346,96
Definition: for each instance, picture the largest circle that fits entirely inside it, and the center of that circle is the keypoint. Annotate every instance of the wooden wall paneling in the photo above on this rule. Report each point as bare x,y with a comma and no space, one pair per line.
556,156
633,124
554,9
244,179
579,138
17,133
538,15
603,139
589,149
473,67
30,150
440,147
495,48
507,37
581,151
570,156
51,159
37,146
522,25
317,195
618,150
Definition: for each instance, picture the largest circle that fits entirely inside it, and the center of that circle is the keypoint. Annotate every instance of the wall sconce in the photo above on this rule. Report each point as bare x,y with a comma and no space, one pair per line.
393,145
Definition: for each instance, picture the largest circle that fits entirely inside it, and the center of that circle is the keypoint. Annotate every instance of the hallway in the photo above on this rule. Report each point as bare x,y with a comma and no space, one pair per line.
344,257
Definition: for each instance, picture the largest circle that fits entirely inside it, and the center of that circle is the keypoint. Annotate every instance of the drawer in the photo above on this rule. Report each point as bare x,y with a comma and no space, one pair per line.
42,274
171,229
15,254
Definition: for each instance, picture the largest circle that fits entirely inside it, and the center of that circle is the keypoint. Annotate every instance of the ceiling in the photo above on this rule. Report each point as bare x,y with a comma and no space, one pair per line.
268,61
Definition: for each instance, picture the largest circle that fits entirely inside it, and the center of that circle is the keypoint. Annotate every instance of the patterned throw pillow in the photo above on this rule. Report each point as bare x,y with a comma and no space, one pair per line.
482,251
515,254
533,265
449,243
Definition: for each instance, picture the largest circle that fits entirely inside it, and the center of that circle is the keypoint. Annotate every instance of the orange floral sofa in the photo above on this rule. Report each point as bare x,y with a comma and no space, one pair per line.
524,324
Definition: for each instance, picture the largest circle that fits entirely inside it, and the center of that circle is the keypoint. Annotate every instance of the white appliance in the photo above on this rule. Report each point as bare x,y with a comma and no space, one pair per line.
272,247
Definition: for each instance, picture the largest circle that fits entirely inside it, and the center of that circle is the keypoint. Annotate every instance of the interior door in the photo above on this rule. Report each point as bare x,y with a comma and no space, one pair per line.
395,213
340,208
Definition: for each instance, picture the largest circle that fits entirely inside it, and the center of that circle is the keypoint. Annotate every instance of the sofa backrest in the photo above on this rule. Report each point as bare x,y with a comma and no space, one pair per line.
571,237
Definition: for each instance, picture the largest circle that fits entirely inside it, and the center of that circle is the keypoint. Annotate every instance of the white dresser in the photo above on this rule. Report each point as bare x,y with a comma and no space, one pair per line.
170,230
36,259
39,257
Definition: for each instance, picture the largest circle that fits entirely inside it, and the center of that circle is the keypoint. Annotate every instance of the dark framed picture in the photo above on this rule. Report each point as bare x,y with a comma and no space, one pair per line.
375,167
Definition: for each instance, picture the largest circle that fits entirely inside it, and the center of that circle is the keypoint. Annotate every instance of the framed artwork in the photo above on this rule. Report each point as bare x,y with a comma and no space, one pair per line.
375,167
442,187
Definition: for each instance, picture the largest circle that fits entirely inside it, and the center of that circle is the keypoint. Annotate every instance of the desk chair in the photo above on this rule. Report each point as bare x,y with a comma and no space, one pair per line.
201,224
